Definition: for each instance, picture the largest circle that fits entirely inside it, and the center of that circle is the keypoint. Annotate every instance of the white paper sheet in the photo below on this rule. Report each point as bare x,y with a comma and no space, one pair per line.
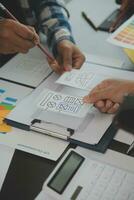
63,104
34,143
14,91
104,61
83,78
76,78
124,35
29,69
93,127
125,137
10,95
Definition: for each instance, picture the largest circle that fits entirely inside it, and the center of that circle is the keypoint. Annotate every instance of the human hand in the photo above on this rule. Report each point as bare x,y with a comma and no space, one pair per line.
127,6
16,37
108,95
69,56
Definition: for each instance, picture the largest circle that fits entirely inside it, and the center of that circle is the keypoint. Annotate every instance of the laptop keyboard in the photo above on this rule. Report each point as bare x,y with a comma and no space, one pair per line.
105,182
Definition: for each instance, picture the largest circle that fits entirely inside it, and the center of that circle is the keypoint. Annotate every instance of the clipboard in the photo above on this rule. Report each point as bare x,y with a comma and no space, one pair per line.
94,131
31,117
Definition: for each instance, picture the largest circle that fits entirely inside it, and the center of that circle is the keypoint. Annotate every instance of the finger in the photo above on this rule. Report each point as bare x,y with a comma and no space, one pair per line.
108,104
103,110
54,65
14,42
24,31
78,61
36,39
18,49
66,60
96,96
104,106
114,108
23,44
100,104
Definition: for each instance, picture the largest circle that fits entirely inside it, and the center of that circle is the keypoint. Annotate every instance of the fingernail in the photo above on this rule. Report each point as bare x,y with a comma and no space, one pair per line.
67,68
86,99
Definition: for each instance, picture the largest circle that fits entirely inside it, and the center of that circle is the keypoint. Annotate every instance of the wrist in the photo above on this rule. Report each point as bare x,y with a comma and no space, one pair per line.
130,87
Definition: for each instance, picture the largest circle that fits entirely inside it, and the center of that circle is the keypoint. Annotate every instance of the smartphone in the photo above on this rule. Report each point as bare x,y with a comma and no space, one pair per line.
107,23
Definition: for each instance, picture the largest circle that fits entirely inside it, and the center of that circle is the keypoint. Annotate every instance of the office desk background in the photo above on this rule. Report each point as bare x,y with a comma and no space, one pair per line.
27,172
89,40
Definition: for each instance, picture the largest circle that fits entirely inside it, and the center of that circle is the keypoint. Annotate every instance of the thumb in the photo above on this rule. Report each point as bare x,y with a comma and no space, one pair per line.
66,58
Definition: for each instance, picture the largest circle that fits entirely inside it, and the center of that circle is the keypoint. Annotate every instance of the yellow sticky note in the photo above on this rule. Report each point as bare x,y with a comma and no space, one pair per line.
4,128
130,54
4,113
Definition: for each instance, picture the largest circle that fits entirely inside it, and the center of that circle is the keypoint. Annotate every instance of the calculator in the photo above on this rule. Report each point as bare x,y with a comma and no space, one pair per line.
77,177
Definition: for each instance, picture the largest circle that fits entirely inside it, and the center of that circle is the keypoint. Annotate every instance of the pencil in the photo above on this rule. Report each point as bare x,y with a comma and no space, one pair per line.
9,14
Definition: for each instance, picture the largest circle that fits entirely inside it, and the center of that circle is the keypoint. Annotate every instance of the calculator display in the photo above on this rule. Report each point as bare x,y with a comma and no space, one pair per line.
65,173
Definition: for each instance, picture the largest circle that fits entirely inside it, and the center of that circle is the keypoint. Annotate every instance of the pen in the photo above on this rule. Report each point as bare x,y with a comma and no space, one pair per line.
9,14
89,21
130,148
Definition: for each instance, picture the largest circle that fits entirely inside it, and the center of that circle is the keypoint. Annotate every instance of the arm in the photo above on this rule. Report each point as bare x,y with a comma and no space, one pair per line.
53,21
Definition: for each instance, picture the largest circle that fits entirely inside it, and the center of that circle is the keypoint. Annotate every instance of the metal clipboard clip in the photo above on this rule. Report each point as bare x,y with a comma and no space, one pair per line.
51,129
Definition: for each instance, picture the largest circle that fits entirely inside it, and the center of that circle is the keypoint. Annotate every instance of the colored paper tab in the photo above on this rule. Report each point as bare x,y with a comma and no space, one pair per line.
7,106
2,91
130,54
10,99
4,128
4,113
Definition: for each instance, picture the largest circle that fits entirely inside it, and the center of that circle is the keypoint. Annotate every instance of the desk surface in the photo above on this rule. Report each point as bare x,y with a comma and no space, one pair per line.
89,40
27,172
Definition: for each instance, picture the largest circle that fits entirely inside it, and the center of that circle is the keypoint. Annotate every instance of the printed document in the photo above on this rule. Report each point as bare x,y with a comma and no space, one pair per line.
29,69
63,104
124,35
34,143
83,78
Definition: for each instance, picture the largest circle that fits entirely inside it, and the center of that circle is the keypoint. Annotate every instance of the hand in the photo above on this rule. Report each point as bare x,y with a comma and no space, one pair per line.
108,95
16,37
127,6
69,56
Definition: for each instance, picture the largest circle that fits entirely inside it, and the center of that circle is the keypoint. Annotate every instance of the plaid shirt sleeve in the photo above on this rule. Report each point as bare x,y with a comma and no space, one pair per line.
53,21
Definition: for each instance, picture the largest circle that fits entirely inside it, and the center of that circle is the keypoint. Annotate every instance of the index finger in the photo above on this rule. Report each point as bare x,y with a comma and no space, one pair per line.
24,32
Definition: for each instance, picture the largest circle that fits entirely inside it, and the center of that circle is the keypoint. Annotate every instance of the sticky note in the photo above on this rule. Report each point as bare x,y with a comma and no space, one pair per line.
130,54
4,128
2,91
7,106
10,99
